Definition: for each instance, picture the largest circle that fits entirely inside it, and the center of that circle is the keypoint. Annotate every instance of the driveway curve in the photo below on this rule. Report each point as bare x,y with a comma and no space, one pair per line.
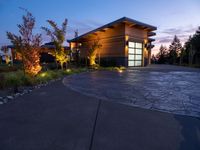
165,88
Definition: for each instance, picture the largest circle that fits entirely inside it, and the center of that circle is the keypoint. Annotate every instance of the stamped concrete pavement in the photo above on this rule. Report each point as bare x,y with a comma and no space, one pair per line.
164,88
57,118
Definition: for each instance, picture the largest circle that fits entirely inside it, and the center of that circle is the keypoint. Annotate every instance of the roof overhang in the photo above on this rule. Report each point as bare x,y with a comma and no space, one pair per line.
130,22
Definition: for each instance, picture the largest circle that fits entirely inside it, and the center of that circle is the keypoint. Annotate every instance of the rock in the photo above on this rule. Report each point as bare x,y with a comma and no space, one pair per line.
5,100
17,94
1,98
1,102
10,97
25,91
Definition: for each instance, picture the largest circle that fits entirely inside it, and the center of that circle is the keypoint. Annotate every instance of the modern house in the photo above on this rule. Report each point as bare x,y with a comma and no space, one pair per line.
124,42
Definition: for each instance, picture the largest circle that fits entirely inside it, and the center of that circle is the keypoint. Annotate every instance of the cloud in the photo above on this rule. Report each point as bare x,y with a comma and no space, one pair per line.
94,23
180,30
82,27
166,36
85,24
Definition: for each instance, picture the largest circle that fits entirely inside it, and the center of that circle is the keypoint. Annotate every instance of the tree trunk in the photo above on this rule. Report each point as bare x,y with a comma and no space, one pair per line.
61,66
191,57
92,60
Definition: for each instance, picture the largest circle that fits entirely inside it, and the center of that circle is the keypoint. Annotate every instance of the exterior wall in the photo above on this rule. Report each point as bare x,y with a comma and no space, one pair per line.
135,34
112,41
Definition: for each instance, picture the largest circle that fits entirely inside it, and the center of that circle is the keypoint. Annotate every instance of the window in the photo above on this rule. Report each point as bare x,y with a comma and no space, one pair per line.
138,57
131,63
135,54
131,57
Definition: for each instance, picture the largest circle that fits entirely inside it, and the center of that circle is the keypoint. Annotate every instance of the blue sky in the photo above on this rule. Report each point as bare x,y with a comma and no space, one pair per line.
180,17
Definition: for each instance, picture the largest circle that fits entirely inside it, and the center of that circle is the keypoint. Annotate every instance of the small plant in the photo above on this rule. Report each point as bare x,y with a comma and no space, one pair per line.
13,80
2,79
28,80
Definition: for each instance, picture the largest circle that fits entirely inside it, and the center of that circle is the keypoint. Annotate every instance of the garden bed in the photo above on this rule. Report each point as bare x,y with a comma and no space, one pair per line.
14,84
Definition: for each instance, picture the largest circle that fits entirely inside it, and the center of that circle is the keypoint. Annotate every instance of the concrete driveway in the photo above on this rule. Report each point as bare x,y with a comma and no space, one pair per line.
57,118
157,87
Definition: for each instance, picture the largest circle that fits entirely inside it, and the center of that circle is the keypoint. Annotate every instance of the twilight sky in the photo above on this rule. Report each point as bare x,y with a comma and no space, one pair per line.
180,17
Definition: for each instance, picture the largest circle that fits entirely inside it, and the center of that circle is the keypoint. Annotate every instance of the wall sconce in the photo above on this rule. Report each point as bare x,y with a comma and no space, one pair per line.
126,37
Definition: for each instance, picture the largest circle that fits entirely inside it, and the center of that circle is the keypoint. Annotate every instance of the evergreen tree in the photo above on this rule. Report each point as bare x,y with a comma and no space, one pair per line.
174,50
192,49
153,59
195,47
162,55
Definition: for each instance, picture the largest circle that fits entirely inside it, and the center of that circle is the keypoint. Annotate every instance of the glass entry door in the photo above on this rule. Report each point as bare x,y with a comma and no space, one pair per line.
134,54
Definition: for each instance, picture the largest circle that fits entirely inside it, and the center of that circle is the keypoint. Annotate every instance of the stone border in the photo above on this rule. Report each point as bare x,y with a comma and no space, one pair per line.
6,99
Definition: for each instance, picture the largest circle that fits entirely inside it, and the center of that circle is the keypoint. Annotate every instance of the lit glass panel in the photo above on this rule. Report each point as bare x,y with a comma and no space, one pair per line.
131,57
131,44
138,51
138,57
138,63
130,63
138,45
131,51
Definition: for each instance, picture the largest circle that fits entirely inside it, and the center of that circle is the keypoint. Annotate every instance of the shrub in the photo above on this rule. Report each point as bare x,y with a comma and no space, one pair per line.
14,80
8,68
95,66
48,75
27,80
2,79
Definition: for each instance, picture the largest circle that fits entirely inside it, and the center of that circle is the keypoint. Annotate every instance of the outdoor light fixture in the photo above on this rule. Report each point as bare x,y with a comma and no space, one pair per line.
68,70
43,74
120,71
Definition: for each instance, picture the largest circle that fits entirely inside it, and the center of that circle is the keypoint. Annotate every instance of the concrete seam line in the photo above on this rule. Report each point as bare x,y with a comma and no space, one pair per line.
94,126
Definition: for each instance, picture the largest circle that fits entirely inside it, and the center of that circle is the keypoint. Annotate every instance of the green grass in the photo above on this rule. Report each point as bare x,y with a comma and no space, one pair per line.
6,68
17,78
112,68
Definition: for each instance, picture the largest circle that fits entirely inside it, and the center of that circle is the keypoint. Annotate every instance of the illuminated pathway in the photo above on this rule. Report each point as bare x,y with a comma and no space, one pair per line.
164,88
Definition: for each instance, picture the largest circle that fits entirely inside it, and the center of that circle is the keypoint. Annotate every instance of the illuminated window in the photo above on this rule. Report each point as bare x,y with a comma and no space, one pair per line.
138,45
131,51
131,44
131,57
131,63
135,52
138,57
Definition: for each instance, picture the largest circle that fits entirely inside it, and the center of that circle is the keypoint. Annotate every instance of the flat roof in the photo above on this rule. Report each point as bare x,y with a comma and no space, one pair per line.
123,19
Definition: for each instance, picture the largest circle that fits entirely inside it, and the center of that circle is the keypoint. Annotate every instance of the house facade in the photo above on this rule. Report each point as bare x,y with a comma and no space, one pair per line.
124,42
